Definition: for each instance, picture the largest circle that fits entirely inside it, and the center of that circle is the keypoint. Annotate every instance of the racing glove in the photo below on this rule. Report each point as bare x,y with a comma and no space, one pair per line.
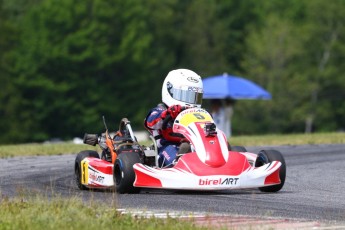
174,110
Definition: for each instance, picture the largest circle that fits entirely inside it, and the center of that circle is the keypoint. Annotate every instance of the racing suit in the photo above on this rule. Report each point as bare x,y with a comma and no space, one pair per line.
167,142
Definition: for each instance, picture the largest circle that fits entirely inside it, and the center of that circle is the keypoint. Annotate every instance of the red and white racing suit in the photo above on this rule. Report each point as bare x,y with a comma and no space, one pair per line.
167,141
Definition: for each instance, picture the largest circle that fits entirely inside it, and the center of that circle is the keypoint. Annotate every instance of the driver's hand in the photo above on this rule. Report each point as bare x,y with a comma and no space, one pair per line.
174,110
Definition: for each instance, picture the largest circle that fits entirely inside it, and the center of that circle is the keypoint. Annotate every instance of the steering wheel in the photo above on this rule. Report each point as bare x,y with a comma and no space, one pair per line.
126,130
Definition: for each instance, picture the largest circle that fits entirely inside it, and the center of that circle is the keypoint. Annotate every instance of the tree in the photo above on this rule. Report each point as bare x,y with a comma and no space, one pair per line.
292,57
80,60
204,39
325,46
271,50
8,96
66,63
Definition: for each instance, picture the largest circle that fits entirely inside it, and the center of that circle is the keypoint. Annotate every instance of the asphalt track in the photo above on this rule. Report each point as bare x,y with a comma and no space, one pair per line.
313,191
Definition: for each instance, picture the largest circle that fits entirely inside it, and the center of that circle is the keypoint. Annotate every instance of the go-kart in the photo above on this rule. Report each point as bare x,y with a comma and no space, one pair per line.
211,163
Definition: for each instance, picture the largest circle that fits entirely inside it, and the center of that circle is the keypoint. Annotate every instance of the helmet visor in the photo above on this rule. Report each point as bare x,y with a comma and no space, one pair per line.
190,95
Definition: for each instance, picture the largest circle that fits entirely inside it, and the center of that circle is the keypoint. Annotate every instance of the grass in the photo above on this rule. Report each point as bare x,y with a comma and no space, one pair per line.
40,212
290,139
36,149
263,140
30,210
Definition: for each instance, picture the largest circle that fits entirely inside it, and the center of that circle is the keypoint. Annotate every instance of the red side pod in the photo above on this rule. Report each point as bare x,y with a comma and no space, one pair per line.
102,166
273,178
145,180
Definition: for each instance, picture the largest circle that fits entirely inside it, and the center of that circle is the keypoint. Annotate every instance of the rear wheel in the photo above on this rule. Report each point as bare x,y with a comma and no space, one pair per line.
124,174
77,166
267,156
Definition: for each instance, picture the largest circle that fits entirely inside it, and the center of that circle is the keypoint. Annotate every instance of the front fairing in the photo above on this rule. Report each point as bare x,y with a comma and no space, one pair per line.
210,165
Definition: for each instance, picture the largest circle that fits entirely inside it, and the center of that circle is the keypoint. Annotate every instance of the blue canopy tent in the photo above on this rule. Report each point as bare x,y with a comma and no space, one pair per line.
226,86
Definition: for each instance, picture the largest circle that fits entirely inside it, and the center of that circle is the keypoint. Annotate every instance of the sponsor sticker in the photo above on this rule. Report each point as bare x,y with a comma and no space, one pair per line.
193,79
95,177
220,181
194,89
166,155
195,117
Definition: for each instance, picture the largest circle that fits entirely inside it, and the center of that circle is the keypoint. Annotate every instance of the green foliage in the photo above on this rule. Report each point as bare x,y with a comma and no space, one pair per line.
8,97
64,64
291,55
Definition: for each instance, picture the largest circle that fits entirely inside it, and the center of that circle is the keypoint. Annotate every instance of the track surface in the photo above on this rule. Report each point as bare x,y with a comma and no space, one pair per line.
314,189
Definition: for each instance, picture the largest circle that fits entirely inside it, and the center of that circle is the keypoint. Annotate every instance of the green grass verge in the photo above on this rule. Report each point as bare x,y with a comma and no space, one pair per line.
39,212
264,140
42,149
290,139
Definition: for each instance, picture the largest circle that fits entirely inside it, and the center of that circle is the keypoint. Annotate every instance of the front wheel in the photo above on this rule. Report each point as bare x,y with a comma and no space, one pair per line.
267,156
77,166
124,174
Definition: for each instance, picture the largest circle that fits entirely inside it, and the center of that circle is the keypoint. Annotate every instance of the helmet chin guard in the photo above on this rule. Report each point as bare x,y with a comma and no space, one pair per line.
182,87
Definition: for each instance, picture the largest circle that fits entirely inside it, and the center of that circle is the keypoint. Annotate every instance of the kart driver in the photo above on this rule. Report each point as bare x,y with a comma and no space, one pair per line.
181,88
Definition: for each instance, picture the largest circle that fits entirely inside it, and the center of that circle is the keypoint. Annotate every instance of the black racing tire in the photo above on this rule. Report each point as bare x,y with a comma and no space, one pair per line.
77,166
124,174
267,156
238,149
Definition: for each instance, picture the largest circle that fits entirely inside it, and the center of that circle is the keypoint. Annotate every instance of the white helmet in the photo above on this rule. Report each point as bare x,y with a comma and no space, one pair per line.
182,87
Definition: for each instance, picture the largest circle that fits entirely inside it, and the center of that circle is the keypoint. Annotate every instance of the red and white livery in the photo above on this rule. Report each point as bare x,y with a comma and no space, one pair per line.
211,165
